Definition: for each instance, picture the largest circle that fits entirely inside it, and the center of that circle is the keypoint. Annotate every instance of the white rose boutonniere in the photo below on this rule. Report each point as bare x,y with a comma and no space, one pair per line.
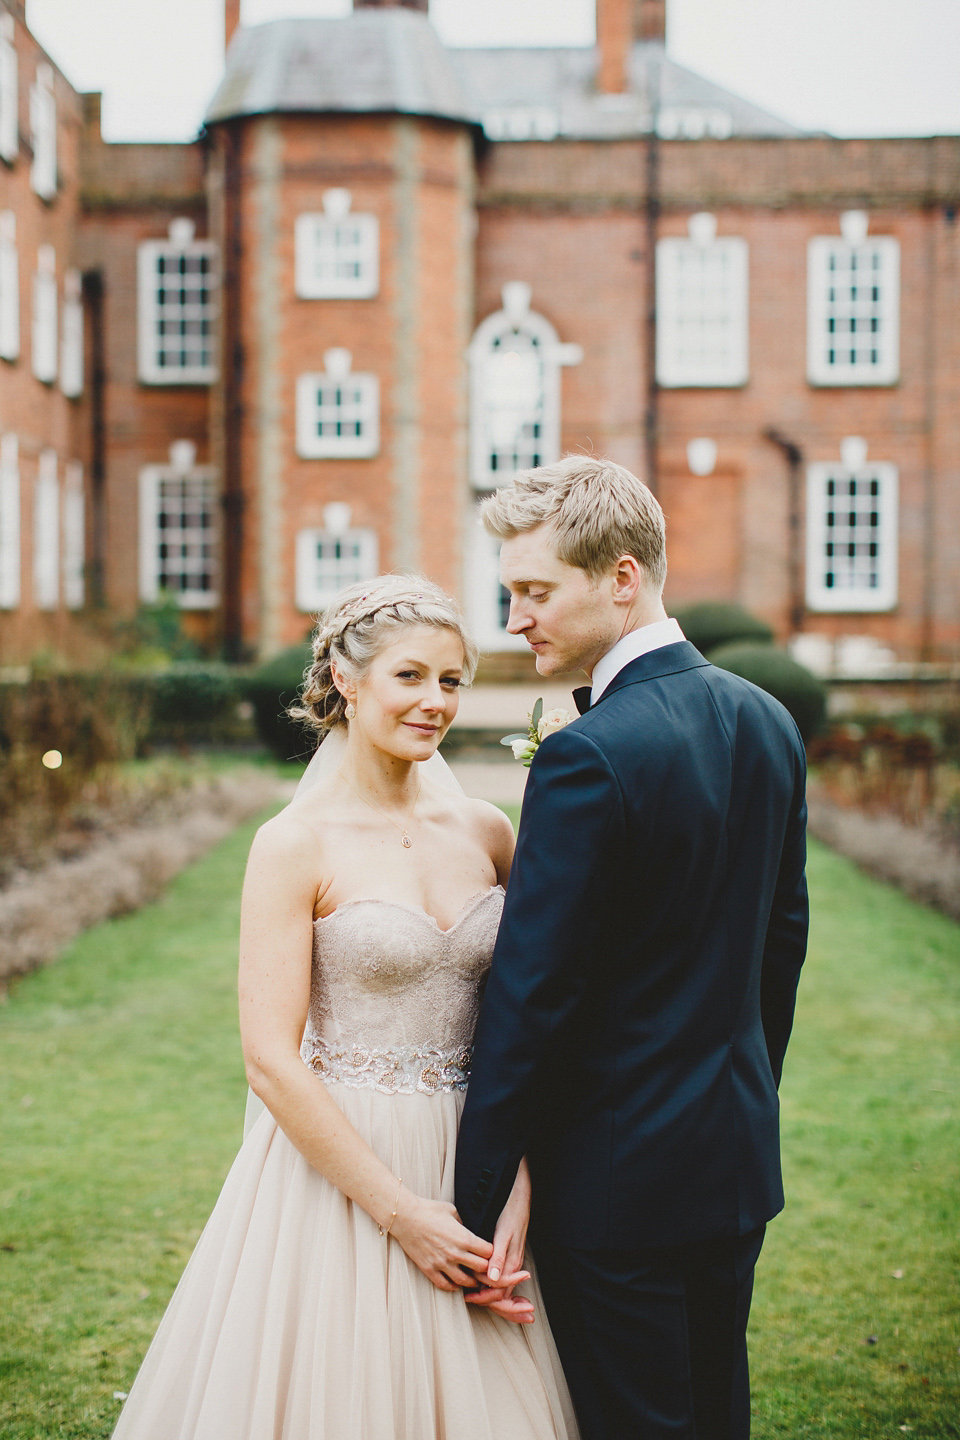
541,725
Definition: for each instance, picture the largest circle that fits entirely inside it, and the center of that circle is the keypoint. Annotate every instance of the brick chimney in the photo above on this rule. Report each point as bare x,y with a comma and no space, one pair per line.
614,37
650,20
619,24
231,20
421,5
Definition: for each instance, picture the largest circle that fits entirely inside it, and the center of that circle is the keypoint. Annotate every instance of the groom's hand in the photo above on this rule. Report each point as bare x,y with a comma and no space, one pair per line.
501,1300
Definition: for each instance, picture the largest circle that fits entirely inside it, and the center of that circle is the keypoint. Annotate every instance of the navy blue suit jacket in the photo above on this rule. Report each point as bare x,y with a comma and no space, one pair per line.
644,979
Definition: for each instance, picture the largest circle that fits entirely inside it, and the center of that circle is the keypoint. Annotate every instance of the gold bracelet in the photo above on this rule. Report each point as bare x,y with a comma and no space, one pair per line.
393,1217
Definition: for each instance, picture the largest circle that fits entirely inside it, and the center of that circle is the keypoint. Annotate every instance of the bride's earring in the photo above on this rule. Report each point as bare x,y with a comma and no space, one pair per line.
351,711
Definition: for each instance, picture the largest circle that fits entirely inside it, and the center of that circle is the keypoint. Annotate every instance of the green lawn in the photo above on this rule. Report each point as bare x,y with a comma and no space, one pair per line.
121,1102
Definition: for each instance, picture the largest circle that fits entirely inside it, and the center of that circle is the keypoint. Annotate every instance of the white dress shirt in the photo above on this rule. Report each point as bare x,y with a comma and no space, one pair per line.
632,645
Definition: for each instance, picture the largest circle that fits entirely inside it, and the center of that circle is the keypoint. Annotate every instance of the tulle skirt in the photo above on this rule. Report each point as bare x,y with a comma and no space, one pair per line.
296,1320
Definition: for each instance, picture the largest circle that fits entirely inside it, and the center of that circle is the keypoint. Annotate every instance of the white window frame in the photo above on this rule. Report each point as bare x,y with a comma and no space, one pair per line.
336,251
179,247
46,532
43,133
74,537
181,471
688,122
71,336
9,92
9,523
528,432
486,604
9,287
44,330
853,468
702,308
828,362
337,399
521,122
352,554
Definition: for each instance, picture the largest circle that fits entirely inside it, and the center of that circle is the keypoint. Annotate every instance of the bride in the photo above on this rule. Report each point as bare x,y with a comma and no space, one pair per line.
327,1298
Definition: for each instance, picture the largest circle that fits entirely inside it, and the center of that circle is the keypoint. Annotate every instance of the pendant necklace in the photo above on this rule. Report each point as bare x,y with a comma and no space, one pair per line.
405,840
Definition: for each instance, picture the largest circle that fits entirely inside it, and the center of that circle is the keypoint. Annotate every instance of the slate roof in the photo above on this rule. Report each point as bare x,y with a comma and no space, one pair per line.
387,60
391,61
561,81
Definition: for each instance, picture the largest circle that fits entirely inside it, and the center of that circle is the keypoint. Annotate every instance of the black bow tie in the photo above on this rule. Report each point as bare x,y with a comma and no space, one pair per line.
581,698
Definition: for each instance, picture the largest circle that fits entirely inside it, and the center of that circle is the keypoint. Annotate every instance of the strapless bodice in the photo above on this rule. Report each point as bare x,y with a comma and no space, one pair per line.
393,998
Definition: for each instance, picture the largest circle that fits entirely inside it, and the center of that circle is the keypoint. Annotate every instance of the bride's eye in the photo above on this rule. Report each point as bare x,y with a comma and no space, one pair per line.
408,675
452,681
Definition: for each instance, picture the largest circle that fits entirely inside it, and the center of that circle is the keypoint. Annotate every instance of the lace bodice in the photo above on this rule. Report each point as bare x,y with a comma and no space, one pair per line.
393,998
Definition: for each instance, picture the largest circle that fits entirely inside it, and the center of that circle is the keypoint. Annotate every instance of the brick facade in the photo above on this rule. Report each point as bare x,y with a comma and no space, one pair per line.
461,216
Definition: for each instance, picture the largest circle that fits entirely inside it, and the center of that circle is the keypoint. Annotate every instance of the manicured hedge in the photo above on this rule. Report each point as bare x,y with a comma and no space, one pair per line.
194,704
271,689
714,623
782,677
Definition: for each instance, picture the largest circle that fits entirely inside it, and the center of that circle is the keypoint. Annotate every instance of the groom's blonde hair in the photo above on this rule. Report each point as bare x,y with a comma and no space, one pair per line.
598,511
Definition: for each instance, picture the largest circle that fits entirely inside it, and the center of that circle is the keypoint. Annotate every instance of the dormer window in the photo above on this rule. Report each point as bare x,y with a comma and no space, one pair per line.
515,359
178,284
853,306
45,315
9,92
71,343
339,554
337,253
679,122
521,122
178,530
338,413
9,287
702,337
43,133
852,532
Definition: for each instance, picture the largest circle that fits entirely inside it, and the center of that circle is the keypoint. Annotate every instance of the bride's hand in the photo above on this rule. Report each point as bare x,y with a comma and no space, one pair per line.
504,1269
449,1254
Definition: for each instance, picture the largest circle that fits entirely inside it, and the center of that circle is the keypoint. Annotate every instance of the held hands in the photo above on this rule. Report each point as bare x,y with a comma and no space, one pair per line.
453,1258
504,1268
431,1234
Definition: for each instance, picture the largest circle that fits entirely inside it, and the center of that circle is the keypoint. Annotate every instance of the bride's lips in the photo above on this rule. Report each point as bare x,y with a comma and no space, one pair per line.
422,729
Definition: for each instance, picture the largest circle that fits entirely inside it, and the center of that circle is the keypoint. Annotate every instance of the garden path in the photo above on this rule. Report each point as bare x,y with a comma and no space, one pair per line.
121,1103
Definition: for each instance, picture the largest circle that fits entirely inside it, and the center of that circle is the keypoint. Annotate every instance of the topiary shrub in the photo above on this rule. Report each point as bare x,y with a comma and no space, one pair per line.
196,704
715,623
796,687
270,689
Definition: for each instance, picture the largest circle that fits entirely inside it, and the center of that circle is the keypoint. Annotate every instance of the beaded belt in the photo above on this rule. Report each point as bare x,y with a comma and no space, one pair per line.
409,1069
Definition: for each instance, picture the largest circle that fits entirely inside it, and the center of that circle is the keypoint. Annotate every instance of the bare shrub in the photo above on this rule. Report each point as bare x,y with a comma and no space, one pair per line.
41,911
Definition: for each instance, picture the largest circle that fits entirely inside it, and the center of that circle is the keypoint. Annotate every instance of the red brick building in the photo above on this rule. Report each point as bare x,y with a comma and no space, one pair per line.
388,274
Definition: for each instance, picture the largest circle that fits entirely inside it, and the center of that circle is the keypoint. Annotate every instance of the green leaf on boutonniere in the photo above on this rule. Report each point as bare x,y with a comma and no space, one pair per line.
519,735
537,714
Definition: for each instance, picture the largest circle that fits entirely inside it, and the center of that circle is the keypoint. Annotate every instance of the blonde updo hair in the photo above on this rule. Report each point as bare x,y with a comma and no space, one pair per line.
357,625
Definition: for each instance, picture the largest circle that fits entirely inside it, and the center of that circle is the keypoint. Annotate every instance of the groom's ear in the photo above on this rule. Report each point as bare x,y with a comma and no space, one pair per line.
629,578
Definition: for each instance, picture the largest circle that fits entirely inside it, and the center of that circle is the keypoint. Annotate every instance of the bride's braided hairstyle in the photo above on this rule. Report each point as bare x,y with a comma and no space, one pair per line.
357,625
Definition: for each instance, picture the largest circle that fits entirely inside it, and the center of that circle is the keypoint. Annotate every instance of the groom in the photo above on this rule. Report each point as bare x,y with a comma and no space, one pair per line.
644,980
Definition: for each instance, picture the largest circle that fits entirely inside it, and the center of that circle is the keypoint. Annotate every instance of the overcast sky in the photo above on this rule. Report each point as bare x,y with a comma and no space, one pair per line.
852,67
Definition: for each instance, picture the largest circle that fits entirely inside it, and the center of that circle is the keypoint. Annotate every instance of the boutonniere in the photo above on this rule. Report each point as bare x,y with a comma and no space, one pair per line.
525,746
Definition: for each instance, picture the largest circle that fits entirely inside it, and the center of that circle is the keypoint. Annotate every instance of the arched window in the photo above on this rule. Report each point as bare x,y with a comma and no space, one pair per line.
515,359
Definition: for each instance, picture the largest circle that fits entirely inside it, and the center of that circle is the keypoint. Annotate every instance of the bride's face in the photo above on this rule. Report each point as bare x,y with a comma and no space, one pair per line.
408,697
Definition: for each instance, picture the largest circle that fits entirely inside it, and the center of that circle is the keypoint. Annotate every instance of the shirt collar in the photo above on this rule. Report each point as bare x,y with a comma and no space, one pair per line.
630,647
